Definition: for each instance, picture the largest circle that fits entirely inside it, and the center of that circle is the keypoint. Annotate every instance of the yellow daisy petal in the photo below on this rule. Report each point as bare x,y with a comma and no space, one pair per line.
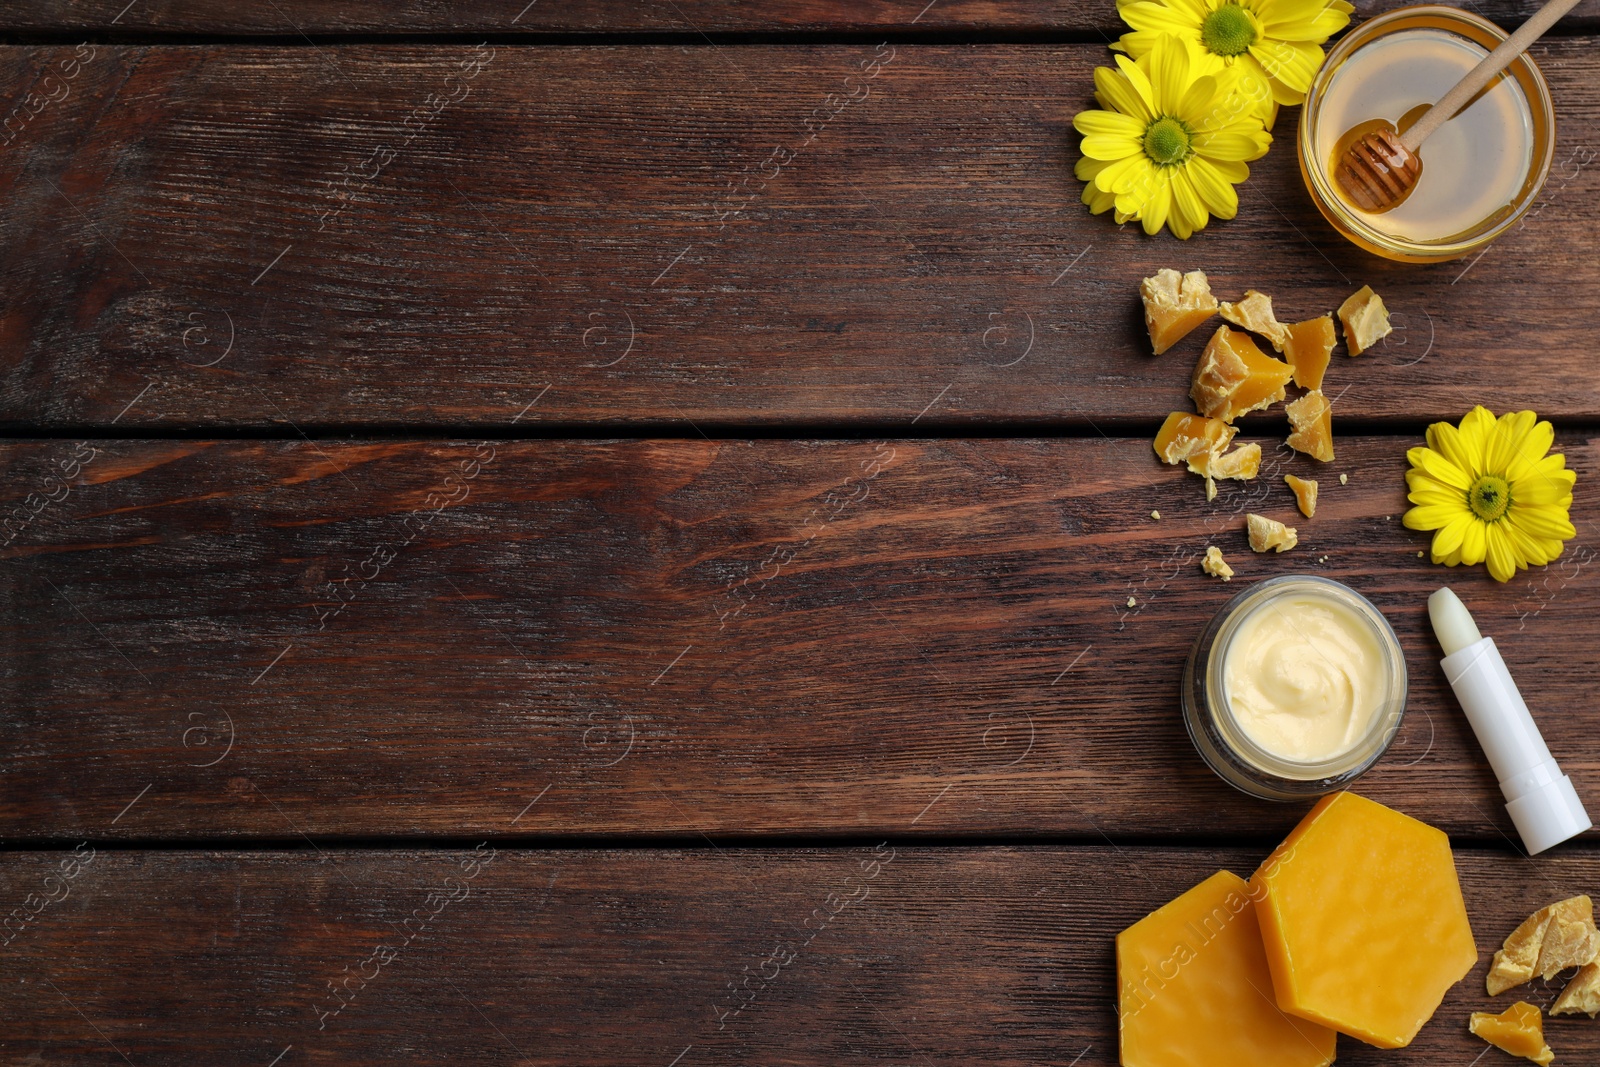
1290,65
1533,550
1186,202
1154,213
1543,522
1230,146
1530,449
1439,469
1476,426
1159,18
1473,543
1107,124
1117,93
1111,146
1502,560
1169,75
1140,82
1506,437
1548,492
1445,439
1447,541
1431,516
1215,191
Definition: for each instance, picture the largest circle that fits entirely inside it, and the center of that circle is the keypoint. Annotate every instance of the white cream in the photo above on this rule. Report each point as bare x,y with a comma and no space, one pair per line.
1304,676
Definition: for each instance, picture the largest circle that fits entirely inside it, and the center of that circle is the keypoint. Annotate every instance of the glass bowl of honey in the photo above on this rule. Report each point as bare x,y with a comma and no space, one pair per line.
1481,171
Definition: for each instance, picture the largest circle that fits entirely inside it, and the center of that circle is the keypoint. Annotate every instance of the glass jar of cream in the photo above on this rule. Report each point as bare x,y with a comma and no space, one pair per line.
1295,688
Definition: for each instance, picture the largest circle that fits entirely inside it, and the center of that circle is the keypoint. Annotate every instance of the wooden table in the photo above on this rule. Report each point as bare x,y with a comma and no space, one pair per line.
621,533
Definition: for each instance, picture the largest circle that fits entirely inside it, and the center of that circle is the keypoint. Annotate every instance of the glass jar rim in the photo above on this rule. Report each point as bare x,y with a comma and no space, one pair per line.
1540,106
1385,722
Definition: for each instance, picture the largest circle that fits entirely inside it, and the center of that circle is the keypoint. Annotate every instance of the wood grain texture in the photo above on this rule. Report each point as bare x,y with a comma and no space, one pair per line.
692,637
947,956
293,17
244,235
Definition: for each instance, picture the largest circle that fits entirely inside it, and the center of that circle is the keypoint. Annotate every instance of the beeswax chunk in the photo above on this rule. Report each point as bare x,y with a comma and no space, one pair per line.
1555,937
1363,921
1308,350
1184,436
1366,320
1311,420
1174,305
1193,988
1267,534
1254,313
1242,464
1518,1030
1305,493
1234,377
1215,565
1582,993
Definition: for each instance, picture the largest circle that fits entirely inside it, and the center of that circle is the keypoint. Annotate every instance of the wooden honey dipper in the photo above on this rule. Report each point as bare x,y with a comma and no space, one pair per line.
1379,170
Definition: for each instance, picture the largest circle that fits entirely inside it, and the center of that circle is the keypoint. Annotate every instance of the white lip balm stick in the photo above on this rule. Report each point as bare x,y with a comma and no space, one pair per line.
1541,800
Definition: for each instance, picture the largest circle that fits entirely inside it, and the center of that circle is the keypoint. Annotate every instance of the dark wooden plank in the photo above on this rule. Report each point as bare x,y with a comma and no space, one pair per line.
947,956
292,17
686,636
562,225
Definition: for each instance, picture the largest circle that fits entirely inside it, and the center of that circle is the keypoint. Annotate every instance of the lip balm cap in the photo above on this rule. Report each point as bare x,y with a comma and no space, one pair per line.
1548,815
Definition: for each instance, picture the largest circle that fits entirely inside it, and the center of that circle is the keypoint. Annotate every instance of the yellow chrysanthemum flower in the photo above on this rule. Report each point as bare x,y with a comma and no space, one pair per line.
1491,492
1277,44
1172,142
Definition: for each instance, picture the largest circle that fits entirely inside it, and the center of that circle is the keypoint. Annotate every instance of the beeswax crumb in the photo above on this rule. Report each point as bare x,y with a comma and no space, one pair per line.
1267,534
1582,993
1234,377
1254,313
1305,494
1366,320
1311,420
1518,1030
1184,436
1215,565
1132,603
1308,350
1363,921
1344,479
1155,514
1193,989
1555,937
1174,305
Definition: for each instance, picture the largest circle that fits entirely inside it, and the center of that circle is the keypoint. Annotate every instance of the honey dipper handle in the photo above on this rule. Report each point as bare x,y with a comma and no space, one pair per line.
1487,68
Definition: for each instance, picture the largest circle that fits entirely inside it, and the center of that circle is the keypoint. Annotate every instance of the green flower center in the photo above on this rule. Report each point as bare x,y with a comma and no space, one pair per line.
1489,497
1228,31
1166,141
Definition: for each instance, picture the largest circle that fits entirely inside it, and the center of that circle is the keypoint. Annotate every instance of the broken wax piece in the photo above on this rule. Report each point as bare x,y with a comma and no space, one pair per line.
1254,313
1363,920
1194,990
1555,937
1517,1030
1215,565
1305,494
1269,534
1543,803
1311,425
1308,350
1582,993
1242,464
1184,436
1366,320
1174,304
1234,377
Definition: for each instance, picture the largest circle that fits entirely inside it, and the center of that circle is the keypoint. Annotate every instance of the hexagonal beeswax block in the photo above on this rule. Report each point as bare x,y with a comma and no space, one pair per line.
1362,920
1194,990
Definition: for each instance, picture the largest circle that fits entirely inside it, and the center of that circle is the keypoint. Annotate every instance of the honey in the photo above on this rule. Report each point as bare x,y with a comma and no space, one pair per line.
1481,170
